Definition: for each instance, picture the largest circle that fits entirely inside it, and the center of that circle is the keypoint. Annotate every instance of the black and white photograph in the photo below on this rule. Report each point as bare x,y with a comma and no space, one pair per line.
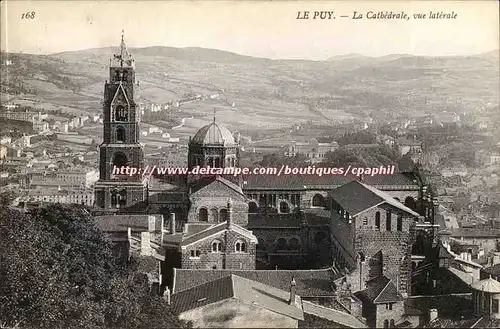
249,164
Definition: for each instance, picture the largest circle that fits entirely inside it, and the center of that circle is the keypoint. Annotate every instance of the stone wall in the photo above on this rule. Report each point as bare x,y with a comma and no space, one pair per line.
228,258
385,313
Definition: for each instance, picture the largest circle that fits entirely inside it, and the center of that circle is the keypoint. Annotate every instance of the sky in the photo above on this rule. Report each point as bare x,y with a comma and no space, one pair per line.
256,28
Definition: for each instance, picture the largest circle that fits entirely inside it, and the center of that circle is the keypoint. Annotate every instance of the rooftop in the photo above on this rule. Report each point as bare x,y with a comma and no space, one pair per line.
213,134
310,283
233,286
121,223
380,290
356,197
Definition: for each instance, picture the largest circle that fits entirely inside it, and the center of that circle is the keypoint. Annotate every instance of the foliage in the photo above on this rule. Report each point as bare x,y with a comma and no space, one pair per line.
358,137
372,157
58,271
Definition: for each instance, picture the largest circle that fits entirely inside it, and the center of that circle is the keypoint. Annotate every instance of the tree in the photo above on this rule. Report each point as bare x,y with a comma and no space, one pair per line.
58,271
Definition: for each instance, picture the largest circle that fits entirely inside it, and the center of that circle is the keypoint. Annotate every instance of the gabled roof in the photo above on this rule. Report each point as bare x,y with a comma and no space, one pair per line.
380,290
233,286
310,283
207,180
216,230
356,197
335,316
120,88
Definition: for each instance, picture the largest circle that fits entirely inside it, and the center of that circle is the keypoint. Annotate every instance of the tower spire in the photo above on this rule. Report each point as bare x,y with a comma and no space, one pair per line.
122,44
214,114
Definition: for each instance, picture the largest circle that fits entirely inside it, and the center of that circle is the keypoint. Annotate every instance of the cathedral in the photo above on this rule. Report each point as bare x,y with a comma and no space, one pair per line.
369,227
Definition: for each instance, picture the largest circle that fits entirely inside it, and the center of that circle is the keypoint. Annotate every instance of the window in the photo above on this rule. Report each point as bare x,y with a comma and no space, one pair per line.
121,113
294,244
377,220
391,324
215,215
388,217
365,221
120,160
120,134
494,306
284,208
318,201
388,307
203,215
240,246
195,253
386,323
281,244
216,246
252,207
400,223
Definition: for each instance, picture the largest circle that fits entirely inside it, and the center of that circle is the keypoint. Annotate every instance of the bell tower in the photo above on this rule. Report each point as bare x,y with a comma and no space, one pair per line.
120,146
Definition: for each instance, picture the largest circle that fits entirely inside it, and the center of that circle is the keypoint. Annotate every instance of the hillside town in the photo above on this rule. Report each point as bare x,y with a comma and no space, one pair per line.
416,248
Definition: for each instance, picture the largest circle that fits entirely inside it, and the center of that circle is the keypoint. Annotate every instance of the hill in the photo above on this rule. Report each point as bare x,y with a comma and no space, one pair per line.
264,90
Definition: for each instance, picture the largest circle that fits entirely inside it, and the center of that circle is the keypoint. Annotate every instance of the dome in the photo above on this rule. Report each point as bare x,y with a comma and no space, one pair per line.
487,285
213,133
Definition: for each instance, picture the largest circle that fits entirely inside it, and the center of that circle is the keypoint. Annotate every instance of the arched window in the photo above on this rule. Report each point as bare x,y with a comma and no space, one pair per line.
377,220
284,208
120,134
281,244
215,215
391,324
114,199
120,160
252,207
386,323
217,163
294,244
203,215
122,201
216,246
319,237
223,216
318,201
121,113
240,246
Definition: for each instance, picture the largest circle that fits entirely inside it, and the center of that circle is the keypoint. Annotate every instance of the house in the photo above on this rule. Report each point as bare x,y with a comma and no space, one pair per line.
236,302
382,303
315,149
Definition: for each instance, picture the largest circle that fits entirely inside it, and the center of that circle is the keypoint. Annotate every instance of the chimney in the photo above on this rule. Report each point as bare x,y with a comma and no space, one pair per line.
166,295
293,287
129,233
145,243
433,314
151,223
172,223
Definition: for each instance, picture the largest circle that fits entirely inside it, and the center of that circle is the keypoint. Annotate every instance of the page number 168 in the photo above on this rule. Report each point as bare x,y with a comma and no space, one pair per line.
28,15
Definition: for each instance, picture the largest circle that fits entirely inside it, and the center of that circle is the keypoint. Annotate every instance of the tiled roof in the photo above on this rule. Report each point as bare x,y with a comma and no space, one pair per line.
233,286
207,180
493,270
121,223
454,323
310,283
447,305
487,285
463,276
304,182
293,182
356,197
338,317
213,134
488,323
380,290
204,294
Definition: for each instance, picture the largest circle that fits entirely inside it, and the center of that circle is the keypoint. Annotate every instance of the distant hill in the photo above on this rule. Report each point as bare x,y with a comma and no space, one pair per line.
263,90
